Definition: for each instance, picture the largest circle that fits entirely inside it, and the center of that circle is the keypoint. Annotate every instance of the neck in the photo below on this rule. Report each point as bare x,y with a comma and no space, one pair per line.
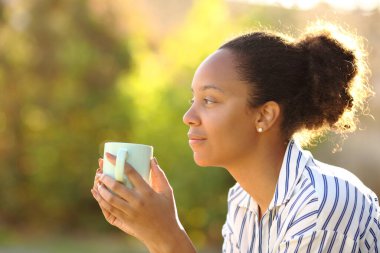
258,172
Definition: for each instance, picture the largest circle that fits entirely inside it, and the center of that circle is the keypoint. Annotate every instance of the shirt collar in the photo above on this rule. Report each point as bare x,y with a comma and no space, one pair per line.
293,165
294,162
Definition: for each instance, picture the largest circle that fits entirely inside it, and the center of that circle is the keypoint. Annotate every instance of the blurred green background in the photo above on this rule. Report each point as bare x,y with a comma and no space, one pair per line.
77,73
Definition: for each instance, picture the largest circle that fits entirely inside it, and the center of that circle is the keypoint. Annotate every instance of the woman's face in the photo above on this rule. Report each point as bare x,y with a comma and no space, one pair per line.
221,124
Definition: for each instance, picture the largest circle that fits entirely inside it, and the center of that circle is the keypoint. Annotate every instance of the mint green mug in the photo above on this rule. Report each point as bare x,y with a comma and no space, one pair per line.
137,155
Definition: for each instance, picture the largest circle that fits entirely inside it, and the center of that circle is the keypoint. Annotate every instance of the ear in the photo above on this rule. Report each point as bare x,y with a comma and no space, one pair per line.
268,115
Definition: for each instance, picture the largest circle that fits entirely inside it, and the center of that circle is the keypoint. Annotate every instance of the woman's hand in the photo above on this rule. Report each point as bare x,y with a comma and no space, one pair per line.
146,212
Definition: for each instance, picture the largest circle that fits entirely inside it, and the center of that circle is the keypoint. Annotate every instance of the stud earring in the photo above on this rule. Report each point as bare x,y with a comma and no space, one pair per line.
260,129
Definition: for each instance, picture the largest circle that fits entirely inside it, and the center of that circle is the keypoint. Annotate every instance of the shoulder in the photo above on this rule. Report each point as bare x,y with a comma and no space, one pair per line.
322,170
340,210
335,184
344,204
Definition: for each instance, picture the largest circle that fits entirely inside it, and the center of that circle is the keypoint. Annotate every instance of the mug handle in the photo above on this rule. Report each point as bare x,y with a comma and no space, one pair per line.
120,163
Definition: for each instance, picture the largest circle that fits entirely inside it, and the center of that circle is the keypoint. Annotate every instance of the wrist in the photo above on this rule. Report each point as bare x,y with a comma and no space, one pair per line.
175,241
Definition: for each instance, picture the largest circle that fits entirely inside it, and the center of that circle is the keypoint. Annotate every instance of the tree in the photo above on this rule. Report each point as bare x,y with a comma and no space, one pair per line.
59,101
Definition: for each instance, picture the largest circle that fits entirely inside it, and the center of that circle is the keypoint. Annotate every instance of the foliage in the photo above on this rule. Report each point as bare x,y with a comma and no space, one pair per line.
59,101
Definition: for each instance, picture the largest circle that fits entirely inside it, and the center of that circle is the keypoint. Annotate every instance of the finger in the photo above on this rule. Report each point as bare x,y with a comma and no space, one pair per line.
111,158
99,171
107,215
118,188
107,201
117,222
136,179
160,182
96,180
95,194
113,200
100,162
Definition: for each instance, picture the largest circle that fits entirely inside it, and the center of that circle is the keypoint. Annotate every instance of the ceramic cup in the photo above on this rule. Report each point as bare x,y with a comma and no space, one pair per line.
137,155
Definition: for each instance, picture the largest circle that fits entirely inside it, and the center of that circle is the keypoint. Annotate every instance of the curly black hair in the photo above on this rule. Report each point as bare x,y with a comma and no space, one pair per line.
319,80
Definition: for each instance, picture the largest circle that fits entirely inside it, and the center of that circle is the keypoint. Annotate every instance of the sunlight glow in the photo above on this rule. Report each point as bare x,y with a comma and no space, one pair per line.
306,5
369,5
346,5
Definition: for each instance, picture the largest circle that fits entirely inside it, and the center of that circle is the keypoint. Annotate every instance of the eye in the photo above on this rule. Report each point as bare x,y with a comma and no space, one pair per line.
208,101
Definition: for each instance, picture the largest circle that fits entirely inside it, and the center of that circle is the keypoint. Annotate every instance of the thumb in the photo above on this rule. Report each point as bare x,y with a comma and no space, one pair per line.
160,183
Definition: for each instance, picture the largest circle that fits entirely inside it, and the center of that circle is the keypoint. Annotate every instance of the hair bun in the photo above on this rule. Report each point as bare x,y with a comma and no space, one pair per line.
331,68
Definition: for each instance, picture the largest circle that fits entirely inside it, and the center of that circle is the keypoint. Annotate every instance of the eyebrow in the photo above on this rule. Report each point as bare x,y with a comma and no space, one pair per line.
210,86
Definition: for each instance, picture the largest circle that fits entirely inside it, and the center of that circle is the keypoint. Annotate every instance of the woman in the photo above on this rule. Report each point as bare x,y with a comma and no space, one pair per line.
251,98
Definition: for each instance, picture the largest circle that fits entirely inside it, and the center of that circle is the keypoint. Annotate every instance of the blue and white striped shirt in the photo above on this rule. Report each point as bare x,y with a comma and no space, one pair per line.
316,207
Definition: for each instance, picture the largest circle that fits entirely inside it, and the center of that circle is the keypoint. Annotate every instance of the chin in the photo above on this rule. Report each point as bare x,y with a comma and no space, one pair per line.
202,164
202,161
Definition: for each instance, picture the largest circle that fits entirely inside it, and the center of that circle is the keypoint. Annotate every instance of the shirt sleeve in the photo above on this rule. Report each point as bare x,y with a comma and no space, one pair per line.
372,240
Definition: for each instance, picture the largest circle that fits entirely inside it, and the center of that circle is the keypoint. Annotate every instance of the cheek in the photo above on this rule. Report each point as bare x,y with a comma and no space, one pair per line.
232,130
229,138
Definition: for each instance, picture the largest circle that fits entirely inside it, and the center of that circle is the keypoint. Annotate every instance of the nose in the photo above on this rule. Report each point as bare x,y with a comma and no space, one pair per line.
191,117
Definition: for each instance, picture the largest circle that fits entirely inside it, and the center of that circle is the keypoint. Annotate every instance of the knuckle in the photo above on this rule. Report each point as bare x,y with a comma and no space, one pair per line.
108,198
111,209
111,220
111,199
114,186
129,169
149,193
140,203
129,172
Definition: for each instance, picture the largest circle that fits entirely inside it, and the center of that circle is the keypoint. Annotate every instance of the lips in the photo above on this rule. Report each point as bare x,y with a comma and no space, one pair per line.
195,139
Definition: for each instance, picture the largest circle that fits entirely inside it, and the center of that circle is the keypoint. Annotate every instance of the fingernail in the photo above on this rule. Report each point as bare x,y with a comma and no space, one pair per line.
155,161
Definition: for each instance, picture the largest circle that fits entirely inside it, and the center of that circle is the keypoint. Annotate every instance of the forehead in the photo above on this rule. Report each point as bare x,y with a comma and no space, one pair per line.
218,69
